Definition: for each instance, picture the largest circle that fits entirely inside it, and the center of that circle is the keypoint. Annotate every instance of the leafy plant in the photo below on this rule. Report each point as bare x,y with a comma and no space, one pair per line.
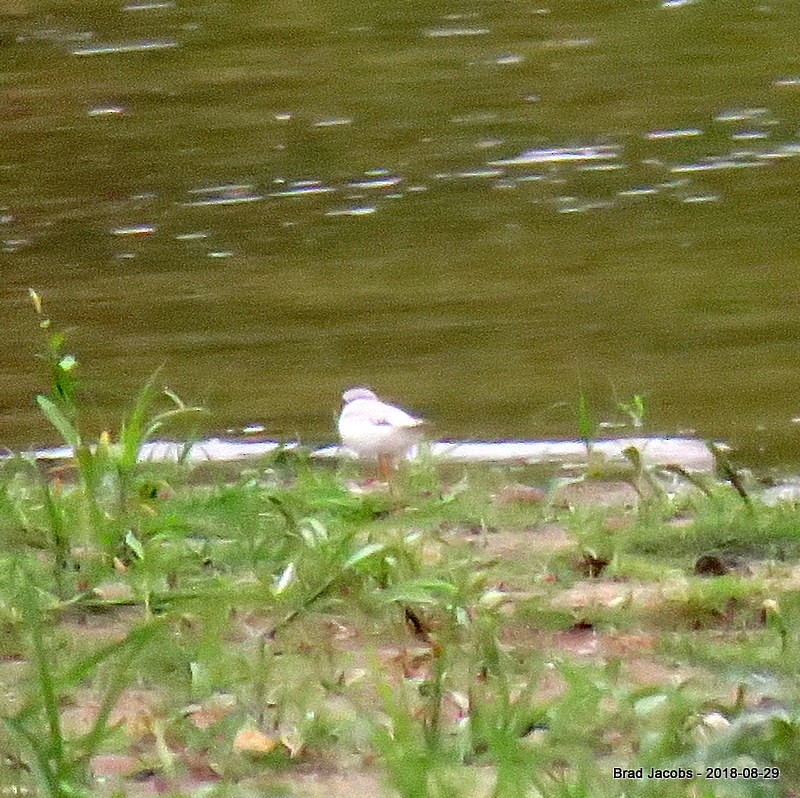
106,469
58,763
62,366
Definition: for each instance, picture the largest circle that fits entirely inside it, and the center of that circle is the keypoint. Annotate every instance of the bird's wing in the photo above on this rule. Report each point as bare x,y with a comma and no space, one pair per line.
379,413
396,417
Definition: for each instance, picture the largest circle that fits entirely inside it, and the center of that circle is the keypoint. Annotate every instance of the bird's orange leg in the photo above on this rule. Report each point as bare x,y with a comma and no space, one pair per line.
384,467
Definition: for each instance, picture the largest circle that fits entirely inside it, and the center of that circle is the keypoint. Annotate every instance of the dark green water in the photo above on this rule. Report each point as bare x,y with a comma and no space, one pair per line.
477,208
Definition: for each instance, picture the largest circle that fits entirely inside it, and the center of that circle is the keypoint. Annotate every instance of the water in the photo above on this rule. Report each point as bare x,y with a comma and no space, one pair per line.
479,210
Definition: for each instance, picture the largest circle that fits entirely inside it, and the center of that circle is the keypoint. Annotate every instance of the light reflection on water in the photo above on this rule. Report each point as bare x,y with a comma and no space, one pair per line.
481,213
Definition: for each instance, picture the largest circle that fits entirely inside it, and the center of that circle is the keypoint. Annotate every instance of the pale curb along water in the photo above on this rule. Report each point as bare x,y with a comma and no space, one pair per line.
688,453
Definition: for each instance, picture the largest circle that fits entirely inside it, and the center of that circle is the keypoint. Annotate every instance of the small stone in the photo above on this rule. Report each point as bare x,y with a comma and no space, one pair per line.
595,493
710,565
520,494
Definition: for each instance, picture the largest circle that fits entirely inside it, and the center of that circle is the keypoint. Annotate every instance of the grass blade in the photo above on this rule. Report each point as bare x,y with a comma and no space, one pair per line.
54,415
119,680
38,760
585,425
131,435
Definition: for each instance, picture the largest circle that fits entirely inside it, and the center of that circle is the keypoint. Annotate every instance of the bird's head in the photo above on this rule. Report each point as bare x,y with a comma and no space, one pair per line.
351,394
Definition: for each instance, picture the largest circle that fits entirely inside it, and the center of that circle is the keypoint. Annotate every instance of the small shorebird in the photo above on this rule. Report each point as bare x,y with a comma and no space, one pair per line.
375,431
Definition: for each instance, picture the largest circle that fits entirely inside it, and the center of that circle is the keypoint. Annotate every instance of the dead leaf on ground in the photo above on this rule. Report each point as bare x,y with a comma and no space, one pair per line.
211,711
254,742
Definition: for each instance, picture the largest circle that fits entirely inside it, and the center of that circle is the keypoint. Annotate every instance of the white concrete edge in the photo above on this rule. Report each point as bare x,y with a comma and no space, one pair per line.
690,453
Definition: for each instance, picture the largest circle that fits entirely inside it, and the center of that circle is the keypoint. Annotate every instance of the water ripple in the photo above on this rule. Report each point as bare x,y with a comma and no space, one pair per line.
125,47
559,155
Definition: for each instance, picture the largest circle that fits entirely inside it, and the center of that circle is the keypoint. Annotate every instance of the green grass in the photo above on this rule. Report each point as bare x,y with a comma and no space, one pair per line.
287,593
